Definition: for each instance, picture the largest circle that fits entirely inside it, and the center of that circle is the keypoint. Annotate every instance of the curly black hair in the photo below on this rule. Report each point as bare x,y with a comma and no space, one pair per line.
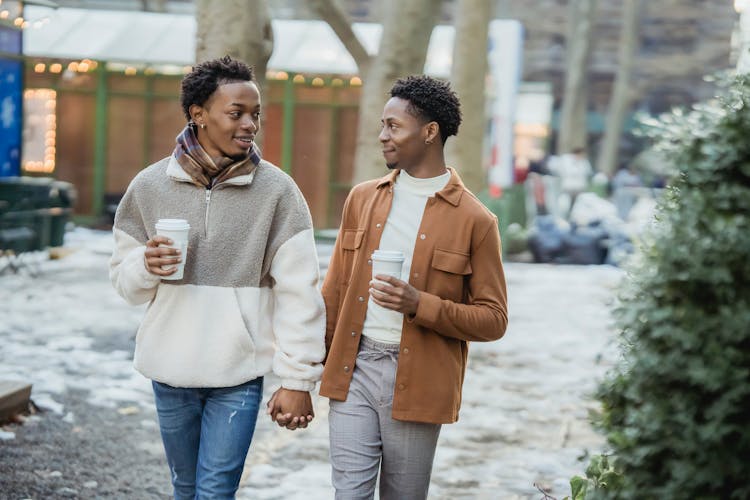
431,100
205,78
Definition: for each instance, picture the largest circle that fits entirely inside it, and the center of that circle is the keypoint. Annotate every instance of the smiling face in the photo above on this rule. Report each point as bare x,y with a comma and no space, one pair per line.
231,117
402,135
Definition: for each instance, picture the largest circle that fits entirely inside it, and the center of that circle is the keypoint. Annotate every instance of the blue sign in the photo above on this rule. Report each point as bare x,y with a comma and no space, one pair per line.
10,40
11,101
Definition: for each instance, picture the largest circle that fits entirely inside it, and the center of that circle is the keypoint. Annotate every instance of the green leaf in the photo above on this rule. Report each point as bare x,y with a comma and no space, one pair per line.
578,487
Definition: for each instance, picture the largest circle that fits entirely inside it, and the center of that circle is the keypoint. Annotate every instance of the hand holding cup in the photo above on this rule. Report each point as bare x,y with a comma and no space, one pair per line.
386,288
165,252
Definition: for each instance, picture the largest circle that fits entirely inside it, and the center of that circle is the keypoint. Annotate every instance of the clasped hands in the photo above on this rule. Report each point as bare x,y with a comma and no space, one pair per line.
291,409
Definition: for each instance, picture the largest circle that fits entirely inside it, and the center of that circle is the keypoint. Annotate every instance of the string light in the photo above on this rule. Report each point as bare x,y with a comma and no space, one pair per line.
40,106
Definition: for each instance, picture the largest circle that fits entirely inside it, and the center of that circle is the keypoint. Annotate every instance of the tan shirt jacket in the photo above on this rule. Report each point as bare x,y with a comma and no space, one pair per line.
458,269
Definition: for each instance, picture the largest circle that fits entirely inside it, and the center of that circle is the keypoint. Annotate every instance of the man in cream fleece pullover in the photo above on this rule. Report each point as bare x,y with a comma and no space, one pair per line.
248,301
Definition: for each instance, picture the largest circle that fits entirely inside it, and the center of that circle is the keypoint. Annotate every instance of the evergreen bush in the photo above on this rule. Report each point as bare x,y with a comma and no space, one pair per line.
676,409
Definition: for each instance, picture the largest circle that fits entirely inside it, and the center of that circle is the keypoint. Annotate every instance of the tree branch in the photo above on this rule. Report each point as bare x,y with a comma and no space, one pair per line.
331,12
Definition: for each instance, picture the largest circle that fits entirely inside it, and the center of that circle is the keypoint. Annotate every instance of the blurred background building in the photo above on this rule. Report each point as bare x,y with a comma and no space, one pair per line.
91,118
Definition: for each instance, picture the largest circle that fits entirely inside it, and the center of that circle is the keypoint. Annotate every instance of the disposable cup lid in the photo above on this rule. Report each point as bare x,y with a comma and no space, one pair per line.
172,224
388,255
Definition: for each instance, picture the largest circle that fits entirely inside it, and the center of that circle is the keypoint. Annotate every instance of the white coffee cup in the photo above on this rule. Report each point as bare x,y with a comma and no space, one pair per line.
387,262
177,230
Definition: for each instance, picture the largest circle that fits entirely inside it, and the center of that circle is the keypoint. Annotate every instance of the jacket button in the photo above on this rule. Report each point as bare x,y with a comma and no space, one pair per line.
401,387
354,334
361,299
346,368
422,236
406,350
369,262
416,275
378,225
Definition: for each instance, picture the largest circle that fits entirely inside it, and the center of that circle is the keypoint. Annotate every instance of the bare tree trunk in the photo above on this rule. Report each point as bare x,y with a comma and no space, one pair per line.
741,37
465,151
407,27
573,131
620,100
238,28
154,5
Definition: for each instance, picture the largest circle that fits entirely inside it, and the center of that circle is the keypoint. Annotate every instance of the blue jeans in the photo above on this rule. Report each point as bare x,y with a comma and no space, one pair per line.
206,434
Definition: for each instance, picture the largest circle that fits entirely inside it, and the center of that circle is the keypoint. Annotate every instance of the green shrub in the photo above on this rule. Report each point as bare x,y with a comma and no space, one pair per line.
675,409
602,475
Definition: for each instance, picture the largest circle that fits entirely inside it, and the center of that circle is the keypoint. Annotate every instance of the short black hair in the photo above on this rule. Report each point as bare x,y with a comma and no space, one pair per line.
432,100
205,78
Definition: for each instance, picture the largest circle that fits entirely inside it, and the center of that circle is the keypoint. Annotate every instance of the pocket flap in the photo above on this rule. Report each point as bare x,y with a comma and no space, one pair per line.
351,239
451,262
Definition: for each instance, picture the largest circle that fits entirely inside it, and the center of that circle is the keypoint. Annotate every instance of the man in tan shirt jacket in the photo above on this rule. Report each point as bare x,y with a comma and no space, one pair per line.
397,348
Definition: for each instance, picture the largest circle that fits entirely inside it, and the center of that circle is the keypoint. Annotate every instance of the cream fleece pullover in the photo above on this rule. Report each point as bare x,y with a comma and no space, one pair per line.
248,302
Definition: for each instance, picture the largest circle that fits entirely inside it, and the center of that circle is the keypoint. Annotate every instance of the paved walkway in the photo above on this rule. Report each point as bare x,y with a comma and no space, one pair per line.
523,419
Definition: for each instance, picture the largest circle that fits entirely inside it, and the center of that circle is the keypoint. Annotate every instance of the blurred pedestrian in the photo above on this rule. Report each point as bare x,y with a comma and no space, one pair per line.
574,171
537,172
397,349
248,301
624,185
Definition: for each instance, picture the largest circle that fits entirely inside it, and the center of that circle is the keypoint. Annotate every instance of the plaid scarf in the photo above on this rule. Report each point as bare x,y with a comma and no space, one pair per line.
204,171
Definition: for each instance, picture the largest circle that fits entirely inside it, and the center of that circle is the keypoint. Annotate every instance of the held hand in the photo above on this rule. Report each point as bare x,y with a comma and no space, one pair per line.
156,256
291,409
392,293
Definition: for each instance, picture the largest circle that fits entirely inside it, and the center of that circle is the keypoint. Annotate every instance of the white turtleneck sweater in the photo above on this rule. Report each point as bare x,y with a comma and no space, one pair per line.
410,196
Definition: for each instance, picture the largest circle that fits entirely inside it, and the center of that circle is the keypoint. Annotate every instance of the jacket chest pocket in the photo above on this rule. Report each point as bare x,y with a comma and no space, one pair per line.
351,241
449,274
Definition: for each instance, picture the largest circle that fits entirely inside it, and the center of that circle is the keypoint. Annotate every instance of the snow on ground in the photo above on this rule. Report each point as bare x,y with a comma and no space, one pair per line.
524,418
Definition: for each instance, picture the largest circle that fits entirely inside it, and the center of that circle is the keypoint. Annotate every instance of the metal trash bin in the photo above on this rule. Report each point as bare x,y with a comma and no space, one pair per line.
40,204
62,197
